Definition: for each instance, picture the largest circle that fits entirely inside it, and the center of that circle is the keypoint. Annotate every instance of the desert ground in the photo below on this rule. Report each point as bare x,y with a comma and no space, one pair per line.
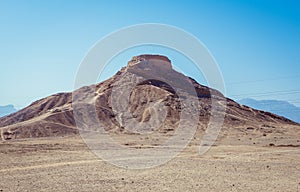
66,164
41,150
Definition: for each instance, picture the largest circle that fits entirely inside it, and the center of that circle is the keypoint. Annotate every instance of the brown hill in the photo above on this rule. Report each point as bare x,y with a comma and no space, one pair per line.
154,104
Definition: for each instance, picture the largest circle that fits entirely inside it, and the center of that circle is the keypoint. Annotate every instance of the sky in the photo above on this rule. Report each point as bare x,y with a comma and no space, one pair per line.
256,43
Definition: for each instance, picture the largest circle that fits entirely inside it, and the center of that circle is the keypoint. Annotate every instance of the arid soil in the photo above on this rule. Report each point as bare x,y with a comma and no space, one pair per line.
66,164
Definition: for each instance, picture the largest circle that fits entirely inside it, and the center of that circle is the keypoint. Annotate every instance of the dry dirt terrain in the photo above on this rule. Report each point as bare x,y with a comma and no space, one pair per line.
66,164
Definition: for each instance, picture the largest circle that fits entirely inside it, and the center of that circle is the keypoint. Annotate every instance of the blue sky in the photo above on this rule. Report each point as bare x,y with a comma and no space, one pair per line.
256,42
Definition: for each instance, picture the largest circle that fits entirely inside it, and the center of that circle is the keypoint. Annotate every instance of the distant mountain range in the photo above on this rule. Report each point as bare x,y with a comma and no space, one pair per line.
6,110
282,108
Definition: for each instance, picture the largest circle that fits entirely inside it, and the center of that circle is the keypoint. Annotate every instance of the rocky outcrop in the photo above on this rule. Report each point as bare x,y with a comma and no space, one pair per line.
154,95
156,60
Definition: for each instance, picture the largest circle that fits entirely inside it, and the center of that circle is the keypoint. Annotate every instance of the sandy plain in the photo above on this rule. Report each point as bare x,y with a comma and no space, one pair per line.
66,164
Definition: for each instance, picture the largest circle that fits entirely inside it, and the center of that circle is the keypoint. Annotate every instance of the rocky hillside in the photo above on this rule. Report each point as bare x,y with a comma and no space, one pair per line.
145,96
